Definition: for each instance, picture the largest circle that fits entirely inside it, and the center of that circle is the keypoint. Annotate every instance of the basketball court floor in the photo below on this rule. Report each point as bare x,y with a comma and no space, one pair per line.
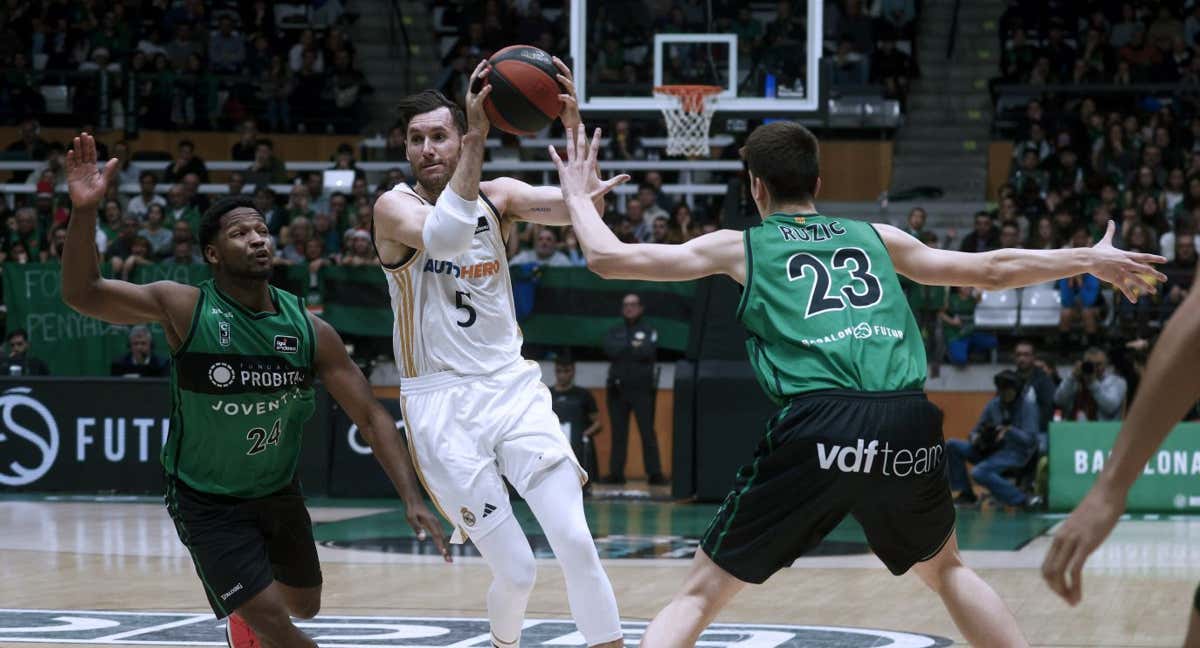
111,572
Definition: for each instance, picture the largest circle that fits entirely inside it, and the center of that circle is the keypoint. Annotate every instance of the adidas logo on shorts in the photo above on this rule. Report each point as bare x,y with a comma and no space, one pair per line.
487,509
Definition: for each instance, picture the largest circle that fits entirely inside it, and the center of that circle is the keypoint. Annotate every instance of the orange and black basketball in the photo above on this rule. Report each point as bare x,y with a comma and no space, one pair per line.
524,96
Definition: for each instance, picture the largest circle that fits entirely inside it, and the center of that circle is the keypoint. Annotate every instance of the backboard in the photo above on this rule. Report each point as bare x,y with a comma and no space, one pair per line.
765,56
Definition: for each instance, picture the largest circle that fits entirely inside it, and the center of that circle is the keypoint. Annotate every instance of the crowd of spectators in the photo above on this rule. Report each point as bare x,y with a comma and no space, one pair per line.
193,65
1063,42
869,41
159,224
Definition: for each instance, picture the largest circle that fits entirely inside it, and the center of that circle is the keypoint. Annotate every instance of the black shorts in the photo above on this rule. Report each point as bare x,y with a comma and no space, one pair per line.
878,456
239,546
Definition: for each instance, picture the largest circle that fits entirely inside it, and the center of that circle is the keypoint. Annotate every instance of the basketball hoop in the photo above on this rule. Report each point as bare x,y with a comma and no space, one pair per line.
688,110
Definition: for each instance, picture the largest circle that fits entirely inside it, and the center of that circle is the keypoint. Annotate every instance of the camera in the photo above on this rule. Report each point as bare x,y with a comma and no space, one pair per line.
1087,367
985,440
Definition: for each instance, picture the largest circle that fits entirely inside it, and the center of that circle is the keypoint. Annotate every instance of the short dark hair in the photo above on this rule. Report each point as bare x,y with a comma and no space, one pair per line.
429,101
1007,379
210,223
188,143
785,156
20,332
143,174
262,141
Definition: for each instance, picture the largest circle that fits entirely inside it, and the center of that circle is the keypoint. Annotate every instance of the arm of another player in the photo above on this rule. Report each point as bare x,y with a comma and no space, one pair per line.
83,289
719,252
350,389
1170,386
1012,267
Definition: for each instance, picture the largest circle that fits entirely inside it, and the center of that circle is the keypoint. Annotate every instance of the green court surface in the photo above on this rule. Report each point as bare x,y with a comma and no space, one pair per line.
636,529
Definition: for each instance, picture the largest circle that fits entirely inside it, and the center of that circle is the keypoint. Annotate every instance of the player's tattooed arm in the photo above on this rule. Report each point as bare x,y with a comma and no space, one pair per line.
521,201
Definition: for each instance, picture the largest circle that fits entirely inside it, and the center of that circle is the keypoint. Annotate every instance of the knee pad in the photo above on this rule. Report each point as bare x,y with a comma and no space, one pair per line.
517,575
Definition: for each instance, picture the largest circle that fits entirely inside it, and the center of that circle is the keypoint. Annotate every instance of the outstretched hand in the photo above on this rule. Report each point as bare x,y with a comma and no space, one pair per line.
1129,272
579,175
86,184
1077,538
428,526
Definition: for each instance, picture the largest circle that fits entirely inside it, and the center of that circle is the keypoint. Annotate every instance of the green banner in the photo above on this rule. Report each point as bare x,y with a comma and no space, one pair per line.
356,301
573,306
76,345
1170,481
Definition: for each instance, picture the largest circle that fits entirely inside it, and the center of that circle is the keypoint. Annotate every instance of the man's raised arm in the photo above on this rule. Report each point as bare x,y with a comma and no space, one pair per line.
719,252
83,289
1130,272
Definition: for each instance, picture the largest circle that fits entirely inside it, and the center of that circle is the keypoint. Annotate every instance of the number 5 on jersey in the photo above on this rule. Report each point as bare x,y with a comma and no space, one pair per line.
462,301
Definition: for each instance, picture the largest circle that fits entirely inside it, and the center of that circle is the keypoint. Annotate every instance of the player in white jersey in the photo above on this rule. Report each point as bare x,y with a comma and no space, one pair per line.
474,409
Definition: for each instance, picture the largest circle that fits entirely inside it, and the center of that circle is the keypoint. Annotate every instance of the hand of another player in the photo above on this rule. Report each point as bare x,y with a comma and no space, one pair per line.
428,526
1078,537
477,90
570,116
1129,272
86,184
578,176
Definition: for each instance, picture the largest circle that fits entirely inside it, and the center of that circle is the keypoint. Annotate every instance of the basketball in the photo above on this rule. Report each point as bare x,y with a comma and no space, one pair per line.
524,96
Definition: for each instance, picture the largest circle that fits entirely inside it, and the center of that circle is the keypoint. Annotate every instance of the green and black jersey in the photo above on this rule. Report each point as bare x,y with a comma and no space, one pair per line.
241,392
824,309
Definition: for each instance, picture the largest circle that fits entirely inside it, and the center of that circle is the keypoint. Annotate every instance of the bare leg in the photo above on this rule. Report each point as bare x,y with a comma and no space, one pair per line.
267,614
1193,634
706,590
302,602
977,610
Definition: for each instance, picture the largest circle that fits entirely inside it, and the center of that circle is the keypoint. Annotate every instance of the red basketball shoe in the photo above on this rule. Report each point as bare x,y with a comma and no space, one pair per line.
238,633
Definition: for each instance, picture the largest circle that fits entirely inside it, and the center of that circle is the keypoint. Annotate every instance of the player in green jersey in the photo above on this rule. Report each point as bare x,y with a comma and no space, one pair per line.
832,340
244,357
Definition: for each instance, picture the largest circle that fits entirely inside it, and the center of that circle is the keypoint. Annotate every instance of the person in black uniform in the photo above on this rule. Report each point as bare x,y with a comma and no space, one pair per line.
19,362
632,347
576,410
141,360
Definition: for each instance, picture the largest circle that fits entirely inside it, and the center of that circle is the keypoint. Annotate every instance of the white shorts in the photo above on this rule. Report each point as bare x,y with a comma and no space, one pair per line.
464,432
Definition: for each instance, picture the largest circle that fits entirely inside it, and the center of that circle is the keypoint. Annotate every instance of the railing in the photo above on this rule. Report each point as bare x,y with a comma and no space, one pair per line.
686,187
953,30
398,42
1011,98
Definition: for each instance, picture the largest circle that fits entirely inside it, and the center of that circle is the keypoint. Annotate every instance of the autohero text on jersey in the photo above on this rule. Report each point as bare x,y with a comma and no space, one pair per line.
474,271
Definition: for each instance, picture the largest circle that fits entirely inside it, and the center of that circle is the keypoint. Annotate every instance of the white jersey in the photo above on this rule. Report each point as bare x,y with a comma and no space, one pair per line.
456,315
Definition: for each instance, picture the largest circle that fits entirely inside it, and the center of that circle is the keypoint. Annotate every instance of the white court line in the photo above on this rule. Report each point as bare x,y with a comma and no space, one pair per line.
163,626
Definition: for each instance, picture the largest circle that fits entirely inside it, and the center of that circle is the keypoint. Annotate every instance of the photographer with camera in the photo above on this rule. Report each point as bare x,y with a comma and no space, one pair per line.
1092,391
1004,439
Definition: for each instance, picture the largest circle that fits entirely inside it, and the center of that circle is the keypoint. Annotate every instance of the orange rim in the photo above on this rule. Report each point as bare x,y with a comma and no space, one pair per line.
691,97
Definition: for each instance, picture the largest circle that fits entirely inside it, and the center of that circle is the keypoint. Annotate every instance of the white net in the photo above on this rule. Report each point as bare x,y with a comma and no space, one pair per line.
688,111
